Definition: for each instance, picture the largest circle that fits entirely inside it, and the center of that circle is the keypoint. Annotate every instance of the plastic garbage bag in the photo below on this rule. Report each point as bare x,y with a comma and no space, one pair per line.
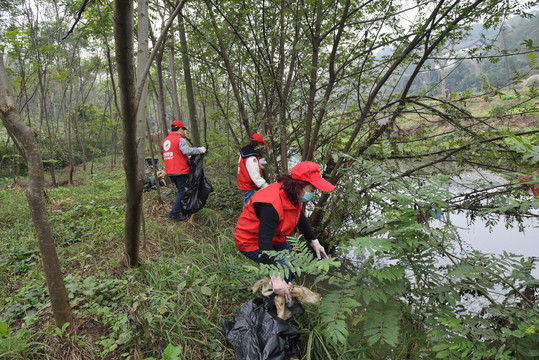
258,334
285,309
197,187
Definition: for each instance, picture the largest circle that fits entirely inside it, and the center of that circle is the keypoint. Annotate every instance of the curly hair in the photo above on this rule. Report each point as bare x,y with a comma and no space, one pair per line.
291,187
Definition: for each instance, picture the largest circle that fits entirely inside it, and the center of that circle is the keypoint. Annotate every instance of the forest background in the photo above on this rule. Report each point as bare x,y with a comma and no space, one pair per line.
356,86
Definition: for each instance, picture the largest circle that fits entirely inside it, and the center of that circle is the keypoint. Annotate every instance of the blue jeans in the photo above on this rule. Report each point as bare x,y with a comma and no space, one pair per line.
247,194
179,181
255,256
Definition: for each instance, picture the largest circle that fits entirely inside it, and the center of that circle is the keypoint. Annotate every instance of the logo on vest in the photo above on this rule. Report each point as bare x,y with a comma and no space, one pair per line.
166,145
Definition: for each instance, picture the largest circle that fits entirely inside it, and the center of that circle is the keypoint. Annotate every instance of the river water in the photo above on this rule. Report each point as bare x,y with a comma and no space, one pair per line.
479,235
495,239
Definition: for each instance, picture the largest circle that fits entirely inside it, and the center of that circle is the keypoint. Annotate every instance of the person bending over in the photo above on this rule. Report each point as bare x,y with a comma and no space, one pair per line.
274,212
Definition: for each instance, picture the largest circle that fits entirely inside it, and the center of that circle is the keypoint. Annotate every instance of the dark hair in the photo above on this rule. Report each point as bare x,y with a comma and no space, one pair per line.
254,143
291,187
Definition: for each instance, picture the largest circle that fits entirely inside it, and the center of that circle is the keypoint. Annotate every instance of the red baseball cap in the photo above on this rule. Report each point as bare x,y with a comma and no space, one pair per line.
259,138
177,124
310,172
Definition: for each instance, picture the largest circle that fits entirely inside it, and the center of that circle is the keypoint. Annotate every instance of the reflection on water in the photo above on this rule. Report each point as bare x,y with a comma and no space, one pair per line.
496,238
493,238
478,235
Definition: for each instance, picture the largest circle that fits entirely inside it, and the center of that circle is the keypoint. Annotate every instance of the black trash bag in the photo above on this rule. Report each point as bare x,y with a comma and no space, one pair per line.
258,334
197,187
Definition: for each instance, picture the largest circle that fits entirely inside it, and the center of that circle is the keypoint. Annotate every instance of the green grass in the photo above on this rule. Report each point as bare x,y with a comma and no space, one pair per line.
190,278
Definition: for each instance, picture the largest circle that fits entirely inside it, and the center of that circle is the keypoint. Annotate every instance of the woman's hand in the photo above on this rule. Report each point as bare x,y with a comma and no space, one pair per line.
281,287
318,249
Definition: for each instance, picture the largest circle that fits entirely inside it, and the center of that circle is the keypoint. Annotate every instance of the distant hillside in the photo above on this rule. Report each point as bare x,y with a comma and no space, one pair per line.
484,71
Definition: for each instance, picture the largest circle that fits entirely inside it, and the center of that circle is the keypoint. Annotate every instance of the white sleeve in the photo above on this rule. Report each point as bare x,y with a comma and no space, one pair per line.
254,172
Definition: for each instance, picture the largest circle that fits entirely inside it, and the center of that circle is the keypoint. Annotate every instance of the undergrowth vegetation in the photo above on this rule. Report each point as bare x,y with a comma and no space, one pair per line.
190,279
409,298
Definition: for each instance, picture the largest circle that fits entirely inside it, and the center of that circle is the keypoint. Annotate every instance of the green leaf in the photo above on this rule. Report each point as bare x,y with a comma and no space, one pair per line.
440,347
205,290
161,310
172,352
3,328
442,354
181,285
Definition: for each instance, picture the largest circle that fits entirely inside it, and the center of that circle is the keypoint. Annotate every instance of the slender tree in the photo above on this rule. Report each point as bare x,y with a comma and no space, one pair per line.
123,39
29,148
142,59
193,123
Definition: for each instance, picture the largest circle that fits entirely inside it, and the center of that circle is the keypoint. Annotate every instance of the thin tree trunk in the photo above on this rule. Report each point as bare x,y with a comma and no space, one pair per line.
193,123
123,36
329,87
173,81
161,96
142,59
232,79
312,81
157,181
36,201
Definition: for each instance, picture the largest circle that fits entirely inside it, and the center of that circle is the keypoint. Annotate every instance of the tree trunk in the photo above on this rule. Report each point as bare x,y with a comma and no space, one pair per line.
35,195
67,128
195,134
223,53
312,81
142,59
161,96
123,38
173,82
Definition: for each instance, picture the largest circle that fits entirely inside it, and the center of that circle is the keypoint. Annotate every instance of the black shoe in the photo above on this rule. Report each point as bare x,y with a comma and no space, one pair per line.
178,218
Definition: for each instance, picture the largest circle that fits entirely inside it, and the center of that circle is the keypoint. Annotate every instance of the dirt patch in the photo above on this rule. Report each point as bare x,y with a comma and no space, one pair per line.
91,330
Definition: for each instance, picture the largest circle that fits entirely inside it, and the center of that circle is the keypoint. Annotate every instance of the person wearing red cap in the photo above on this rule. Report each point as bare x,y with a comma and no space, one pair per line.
176,154
274,212
250,166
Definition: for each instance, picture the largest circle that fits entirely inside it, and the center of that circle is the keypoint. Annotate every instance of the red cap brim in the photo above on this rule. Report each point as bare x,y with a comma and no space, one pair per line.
322,185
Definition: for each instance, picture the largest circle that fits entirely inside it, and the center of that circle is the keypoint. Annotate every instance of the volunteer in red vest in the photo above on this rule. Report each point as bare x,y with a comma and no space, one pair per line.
274,212
176,154
534,187
250,167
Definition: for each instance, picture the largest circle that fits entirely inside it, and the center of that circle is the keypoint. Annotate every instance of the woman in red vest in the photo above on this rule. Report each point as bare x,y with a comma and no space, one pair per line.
176,154
250,167
533,186
274,212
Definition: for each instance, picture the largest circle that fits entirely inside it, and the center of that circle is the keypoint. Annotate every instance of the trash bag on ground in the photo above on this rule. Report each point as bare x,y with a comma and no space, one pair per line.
285,309
197,187
258,334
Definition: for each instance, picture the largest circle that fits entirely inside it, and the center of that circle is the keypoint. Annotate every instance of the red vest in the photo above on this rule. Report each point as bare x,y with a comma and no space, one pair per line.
176,163
246,232
243,179
534,187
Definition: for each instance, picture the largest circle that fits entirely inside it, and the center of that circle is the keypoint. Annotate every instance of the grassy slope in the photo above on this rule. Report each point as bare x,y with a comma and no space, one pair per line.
191,276
510,109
